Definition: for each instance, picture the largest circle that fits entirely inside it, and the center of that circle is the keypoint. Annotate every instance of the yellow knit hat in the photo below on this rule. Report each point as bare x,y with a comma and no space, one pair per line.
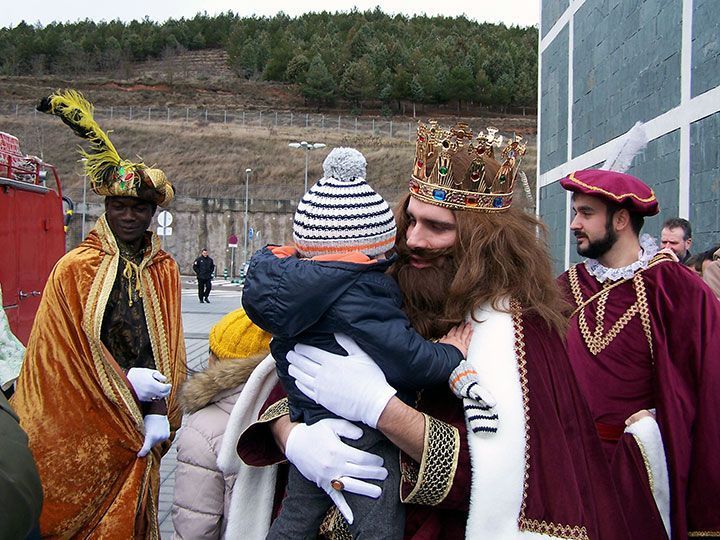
235,336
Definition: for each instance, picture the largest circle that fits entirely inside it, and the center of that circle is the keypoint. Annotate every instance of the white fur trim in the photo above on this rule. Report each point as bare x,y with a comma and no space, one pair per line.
647,436
256,484
498,460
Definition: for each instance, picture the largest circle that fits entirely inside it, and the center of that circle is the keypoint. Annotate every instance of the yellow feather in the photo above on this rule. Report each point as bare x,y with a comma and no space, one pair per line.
102,161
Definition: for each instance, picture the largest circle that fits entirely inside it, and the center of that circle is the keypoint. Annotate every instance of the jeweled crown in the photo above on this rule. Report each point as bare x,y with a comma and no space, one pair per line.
455,170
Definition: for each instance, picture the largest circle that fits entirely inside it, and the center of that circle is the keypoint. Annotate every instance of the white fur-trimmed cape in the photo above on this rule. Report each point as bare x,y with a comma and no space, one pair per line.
253,493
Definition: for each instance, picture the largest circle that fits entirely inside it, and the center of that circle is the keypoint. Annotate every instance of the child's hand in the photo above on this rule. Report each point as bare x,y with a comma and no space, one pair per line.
478,402
459,336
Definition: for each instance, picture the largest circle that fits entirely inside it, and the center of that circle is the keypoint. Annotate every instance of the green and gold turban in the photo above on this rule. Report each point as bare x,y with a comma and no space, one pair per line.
109,174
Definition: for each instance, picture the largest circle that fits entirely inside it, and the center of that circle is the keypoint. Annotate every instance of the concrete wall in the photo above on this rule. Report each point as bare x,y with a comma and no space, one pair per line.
606,64
208,222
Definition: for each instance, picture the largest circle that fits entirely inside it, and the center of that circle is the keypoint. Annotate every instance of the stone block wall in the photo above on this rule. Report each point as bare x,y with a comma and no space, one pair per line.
705,46
554,103
705,182
553,203
207,223
658,167
606,64
626,67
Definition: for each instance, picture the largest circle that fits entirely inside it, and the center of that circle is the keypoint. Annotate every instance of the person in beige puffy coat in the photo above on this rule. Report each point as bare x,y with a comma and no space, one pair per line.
711,274
202,491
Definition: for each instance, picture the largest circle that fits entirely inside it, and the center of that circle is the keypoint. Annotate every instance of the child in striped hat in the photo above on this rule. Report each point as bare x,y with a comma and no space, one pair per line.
333,281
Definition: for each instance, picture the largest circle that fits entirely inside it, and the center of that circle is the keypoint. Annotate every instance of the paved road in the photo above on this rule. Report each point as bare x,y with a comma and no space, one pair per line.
197,320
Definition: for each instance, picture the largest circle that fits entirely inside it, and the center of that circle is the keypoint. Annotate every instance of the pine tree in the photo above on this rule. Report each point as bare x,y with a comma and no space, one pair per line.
355,83
319,85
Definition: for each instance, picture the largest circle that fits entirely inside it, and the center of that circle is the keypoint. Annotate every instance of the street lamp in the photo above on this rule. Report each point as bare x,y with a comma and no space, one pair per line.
307,147
247,180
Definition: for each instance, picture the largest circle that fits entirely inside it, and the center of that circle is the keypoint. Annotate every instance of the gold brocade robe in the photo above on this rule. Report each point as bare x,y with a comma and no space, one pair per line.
84,425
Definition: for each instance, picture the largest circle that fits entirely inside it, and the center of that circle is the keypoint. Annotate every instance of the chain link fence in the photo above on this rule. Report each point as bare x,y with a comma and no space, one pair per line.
376,126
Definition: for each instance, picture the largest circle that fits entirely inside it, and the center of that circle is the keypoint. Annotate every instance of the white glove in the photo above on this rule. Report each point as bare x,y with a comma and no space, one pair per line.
157,430
148,384
321,457
352,386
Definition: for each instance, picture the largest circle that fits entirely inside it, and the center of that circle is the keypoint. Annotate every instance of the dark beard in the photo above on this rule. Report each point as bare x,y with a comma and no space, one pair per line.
425,290
597,249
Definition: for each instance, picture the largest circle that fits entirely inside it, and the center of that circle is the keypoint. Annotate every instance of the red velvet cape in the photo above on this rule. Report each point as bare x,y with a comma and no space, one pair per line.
685,376
569,490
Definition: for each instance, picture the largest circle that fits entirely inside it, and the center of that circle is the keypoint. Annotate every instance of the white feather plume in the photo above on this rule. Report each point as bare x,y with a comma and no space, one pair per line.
526,187
626,148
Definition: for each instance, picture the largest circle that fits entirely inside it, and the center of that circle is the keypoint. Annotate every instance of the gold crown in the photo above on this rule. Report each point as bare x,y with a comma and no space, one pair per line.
456,171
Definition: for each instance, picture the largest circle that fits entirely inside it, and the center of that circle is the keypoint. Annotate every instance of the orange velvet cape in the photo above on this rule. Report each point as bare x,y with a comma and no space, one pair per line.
84,425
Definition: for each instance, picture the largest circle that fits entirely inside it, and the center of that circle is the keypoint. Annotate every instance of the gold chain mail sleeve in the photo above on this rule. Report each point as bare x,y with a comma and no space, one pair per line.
275,411
432,481
256,445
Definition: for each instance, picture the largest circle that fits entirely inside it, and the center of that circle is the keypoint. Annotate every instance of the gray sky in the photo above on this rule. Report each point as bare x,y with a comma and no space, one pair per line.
519,12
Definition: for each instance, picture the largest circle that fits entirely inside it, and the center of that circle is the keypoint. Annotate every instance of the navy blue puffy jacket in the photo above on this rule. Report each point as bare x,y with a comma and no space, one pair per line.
307,301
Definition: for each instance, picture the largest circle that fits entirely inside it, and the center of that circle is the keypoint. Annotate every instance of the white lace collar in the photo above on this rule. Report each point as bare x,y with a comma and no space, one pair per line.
648,249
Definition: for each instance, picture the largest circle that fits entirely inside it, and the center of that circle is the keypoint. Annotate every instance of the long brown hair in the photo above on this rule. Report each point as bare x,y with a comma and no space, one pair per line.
496,256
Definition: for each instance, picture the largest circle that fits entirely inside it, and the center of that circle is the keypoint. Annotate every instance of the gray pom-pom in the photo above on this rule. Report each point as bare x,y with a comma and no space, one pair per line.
344,164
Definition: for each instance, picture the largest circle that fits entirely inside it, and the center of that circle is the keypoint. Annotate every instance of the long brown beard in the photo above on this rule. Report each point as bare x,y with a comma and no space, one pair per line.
425,290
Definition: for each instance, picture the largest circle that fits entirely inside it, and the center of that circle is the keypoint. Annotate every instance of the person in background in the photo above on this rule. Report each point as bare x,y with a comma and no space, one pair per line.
97,390
20,489
643,343
707,265
201,505
11,354
676,235
204,267
702,261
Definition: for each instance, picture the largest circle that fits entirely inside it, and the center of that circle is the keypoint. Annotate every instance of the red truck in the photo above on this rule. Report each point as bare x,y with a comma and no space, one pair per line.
32,231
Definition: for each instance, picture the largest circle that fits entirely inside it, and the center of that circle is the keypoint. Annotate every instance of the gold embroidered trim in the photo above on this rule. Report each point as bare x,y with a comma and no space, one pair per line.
276,410
559,531
572,532
439,463
153,532
646,461
618,198
334,526
111,381
155,324
657,259
409,471
598,340
706,534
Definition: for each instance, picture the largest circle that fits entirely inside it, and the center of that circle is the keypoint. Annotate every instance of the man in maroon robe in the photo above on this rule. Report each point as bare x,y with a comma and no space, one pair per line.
643,341
543,474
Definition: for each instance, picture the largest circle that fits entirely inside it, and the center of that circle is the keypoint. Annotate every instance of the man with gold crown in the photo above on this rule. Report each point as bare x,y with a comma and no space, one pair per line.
643,341
464,253
96,394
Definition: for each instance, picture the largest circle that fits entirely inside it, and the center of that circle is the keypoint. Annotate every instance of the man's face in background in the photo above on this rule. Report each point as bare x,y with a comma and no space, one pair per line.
675,239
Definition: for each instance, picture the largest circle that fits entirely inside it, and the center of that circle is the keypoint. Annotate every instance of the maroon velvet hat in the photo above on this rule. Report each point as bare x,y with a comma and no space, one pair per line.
614,187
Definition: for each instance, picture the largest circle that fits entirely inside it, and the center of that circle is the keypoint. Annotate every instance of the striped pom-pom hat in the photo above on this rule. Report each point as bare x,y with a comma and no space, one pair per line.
342,213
